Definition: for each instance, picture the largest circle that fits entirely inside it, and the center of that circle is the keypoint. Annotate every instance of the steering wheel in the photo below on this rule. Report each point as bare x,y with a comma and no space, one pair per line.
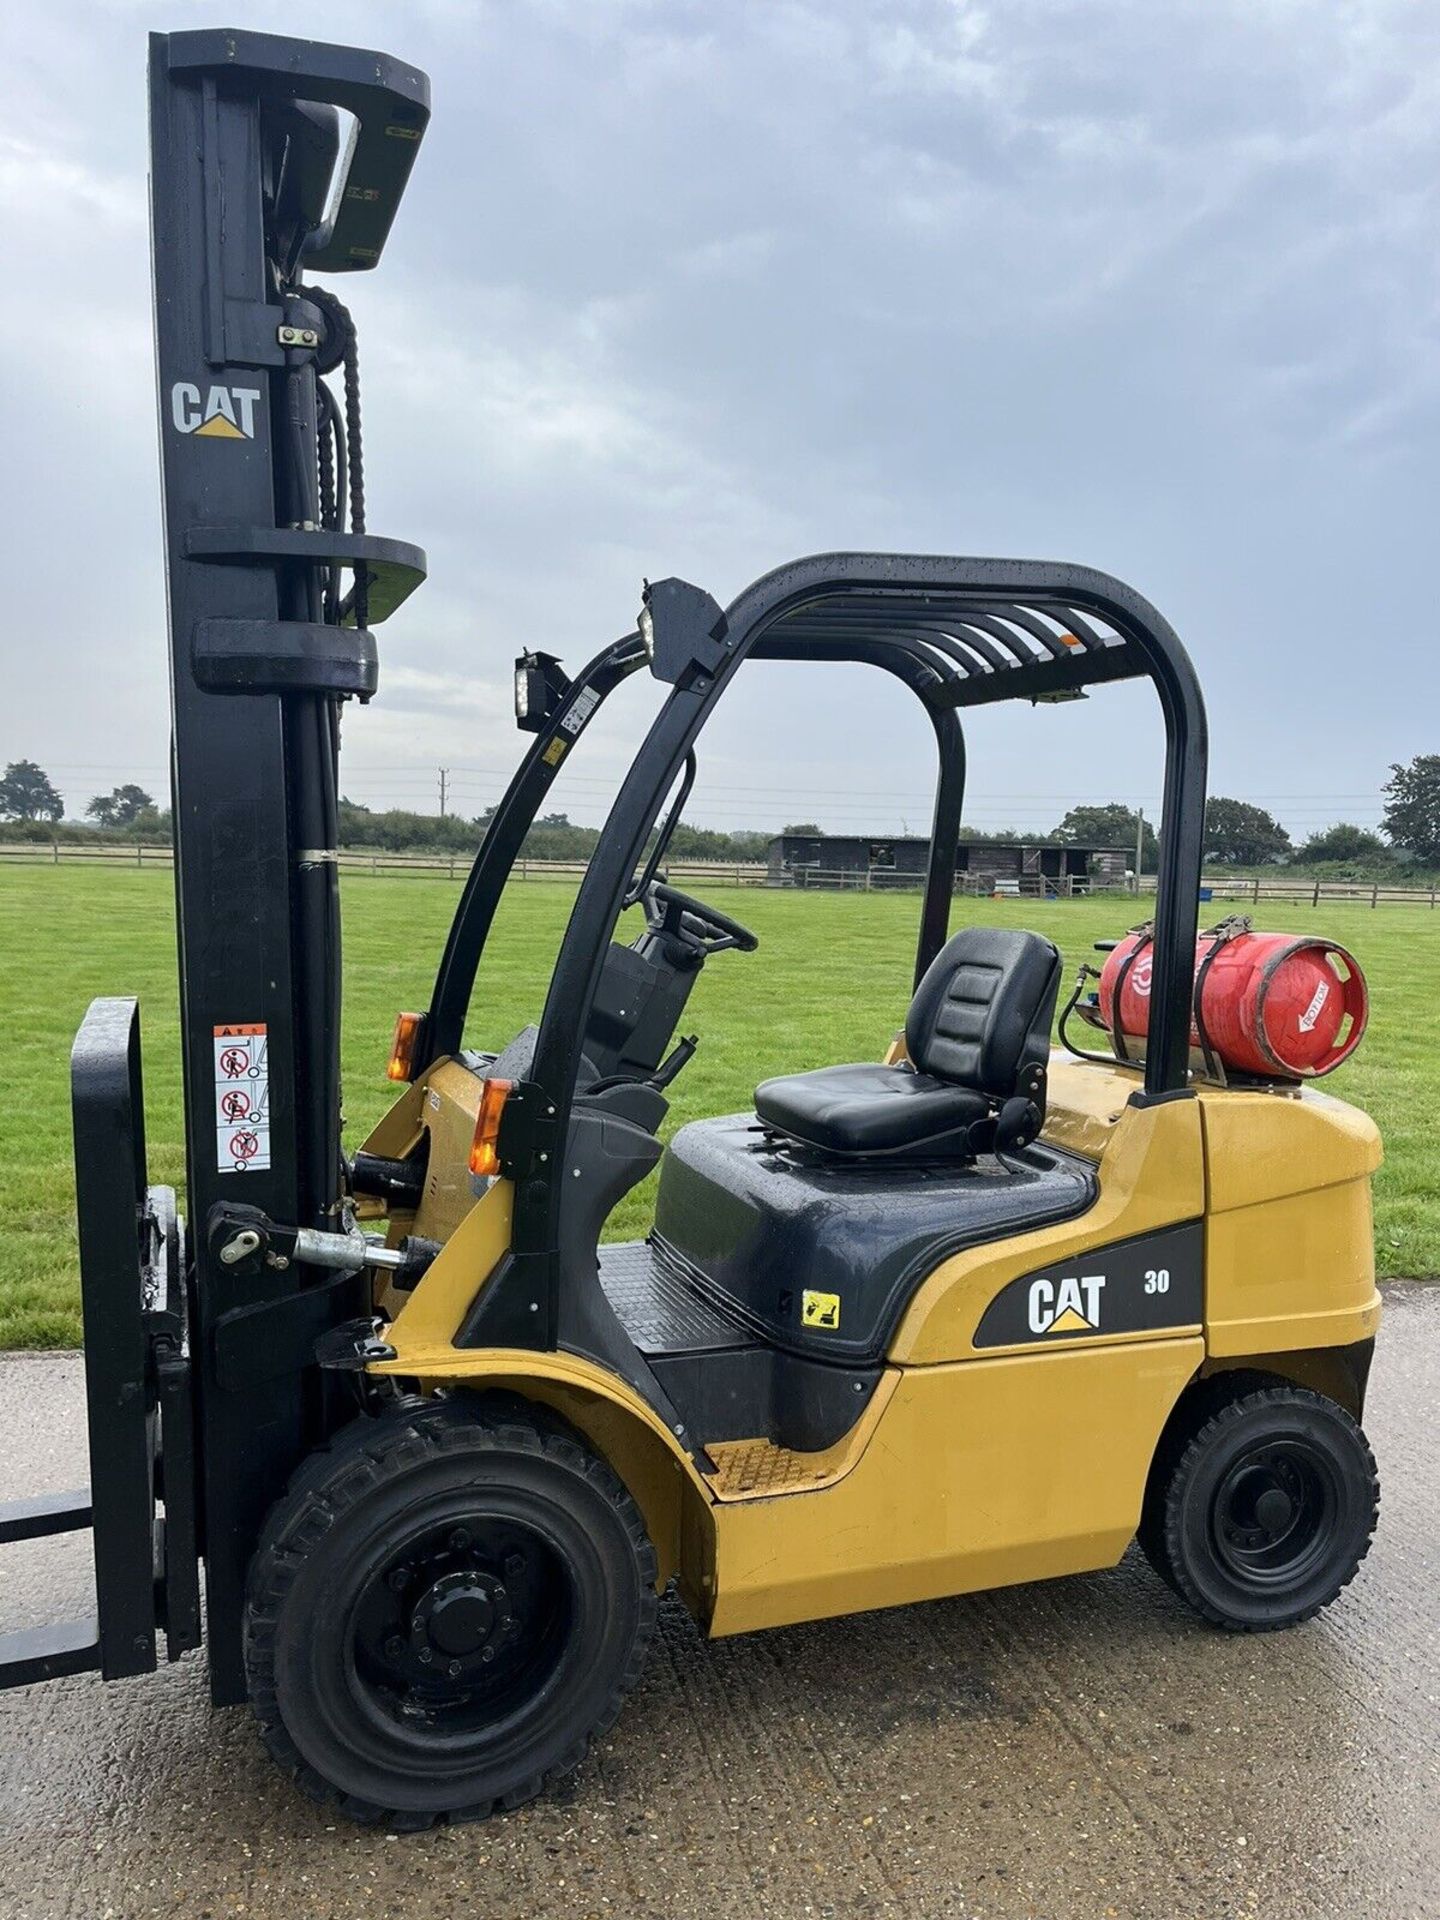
703,928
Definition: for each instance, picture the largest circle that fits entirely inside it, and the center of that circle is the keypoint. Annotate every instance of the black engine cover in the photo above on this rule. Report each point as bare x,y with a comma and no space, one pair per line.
822,1257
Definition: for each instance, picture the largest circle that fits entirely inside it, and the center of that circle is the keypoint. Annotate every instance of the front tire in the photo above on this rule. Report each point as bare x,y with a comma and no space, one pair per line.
1263,1511
447,1605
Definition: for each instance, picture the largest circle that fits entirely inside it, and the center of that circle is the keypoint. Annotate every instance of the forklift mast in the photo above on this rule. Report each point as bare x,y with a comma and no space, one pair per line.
270,159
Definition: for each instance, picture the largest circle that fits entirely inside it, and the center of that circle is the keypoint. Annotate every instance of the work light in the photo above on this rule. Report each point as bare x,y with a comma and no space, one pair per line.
540,685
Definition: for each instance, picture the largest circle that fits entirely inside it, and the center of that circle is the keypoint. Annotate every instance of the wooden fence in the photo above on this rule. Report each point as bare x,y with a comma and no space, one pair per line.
1236,888
1310,893
363,860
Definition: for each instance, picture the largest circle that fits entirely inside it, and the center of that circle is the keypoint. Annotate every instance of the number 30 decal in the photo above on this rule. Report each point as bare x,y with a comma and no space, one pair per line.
1157,1279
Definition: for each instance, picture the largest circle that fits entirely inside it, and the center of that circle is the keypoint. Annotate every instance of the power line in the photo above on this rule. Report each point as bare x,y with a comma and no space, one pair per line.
457,774
763,808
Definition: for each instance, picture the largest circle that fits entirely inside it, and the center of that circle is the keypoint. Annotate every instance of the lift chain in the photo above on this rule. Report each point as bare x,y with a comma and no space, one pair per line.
329,503
341,334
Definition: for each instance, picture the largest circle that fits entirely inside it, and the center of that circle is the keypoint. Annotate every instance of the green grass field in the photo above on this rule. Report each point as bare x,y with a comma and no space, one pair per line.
829,983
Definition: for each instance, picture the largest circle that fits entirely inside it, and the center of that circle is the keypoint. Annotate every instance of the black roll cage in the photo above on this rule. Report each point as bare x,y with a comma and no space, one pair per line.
959,633
511,821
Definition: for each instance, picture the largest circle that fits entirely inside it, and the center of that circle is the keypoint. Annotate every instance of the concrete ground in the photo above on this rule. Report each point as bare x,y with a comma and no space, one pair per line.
1083,1748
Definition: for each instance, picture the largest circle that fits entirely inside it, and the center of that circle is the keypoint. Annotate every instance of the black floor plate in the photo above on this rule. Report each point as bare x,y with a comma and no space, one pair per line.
658,1308
726,1383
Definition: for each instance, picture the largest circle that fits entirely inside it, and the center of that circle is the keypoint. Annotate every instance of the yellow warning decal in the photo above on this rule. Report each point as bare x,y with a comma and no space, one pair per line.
819,1309
555,752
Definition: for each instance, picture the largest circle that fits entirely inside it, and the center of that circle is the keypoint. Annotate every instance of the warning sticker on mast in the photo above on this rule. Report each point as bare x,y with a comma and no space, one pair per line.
242,1098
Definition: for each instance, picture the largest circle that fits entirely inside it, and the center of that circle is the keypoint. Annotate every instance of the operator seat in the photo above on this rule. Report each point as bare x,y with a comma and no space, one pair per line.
978,1037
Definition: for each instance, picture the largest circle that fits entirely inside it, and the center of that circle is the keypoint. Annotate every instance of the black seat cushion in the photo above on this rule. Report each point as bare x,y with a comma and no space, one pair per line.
978,1036
867,1108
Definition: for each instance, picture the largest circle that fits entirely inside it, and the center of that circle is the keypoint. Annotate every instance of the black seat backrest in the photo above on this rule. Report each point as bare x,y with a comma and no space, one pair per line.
982,1013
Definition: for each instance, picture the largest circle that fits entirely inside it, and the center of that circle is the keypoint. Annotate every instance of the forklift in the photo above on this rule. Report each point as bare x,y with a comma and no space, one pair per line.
973,1313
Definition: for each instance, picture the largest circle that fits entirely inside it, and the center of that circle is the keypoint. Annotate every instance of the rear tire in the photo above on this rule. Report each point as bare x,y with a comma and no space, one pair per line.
447,1605
1260,1512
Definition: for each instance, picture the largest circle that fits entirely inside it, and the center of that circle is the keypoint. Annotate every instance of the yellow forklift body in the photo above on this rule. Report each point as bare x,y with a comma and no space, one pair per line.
1290,1247
970,1467
618,1421
979,1474
1152,1175
443,1106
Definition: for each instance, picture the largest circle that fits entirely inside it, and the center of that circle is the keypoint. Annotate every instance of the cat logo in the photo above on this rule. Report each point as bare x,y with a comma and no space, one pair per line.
1151,1283
221,413
1071,1305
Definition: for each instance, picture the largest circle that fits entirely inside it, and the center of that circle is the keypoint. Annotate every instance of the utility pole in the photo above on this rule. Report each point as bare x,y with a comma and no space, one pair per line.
1139,845
444,783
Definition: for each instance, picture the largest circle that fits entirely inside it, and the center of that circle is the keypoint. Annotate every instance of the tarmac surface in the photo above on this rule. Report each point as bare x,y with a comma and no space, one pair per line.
1075,1749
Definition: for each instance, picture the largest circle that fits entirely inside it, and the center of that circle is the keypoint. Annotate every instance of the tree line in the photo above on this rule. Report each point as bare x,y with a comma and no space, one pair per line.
32,807
29,798
1237,832
553,836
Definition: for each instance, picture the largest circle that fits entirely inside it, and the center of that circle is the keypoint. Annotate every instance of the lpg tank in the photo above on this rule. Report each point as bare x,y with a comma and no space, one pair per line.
1278,1005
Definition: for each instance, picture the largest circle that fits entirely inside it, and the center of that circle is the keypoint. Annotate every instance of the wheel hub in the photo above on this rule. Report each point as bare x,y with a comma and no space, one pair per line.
463,1621
1264,1498
462,1616
1274,1510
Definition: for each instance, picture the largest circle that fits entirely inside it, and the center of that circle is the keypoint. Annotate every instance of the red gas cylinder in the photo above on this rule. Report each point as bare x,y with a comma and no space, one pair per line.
1274,1004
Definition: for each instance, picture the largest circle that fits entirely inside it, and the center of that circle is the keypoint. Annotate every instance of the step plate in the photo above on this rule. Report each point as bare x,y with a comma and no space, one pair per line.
758,1469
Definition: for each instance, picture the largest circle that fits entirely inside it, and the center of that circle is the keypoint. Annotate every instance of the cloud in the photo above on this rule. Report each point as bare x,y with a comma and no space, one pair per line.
684,288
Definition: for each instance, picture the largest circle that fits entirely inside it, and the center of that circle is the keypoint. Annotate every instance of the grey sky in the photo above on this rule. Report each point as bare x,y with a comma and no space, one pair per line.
693,288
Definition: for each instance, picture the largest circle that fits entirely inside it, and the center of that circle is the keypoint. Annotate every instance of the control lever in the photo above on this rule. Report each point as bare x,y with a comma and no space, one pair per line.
680,1056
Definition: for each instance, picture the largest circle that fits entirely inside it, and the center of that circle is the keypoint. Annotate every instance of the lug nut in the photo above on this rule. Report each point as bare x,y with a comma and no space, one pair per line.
397,1579
394,1647
488,1655
425,1656
454,1669
514,1563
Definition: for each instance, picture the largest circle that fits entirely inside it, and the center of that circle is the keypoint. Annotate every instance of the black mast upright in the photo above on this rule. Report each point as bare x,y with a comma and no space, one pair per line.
245,138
